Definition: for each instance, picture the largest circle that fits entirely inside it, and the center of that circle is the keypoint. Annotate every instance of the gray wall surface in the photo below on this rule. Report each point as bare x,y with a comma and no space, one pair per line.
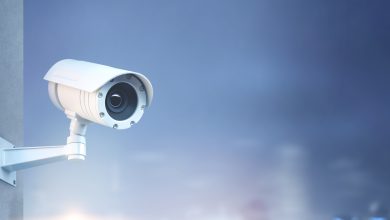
11,97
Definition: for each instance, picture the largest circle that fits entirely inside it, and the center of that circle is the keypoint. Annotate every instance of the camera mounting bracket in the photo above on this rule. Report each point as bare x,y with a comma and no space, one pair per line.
5,175
13,159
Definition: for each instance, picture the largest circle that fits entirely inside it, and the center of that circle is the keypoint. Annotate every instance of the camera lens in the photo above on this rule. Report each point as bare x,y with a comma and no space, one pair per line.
121,101
115,100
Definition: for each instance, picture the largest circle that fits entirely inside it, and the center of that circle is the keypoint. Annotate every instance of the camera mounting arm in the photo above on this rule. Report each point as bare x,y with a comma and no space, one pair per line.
14,159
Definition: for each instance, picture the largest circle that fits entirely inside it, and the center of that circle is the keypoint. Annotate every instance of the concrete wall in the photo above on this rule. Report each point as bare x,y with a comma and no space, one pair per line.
11,97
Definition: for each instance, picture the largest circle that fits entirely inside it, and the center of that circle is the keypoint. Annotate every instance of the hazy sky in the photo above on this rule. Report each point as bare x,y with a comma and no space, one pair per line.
263,110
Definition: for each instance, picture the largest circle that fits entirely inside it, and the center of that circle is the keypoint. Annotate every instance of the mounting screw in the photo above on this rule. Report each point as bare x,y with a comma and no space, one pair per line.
132,122
115,126
101,114
100,95
14,182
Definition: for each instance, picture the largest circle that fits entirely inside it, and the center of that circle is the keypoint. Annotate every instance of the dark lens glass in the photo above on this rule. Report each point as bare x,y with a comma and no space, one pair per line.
121,101
115,100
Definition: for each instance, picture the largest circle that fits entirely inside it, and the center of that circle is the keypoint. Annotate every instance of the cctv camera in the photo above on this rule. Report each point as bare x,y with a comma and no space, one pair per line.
86,92
105,95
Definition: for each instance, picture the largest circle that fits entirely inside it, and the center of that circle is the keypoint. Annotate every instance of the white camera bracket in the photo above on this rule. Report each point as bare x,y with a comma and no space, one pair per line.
17,158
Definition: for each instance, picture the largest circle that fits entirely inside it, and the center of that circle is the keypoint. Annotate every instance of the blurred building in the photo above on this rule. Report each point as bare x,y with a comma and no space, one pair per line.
345,217
376,211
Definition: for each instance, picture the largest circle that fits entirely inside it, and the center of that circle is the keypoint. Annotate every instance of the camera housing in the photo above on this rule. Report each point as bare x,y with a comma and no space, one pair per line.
86,92
105,95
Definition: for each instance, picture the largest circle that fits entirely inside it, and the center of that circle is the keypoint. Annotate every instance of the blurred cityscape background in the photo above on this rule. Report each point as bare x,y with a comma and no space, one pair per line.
263,110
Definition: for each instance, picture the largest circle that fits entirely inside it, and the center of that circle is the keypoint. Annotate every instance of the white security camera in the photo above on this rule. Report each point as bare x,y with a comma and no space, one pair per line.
105,95
86,92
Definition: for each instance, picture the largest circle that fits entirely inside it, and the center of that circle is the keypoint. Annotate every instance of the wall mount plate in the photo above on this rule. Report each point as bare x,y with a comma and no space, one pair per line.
7,176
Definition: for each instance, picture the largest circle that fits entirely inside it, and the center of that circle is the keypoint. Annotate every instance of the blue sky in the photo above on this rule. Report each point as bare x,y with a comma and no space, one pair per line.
262,109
